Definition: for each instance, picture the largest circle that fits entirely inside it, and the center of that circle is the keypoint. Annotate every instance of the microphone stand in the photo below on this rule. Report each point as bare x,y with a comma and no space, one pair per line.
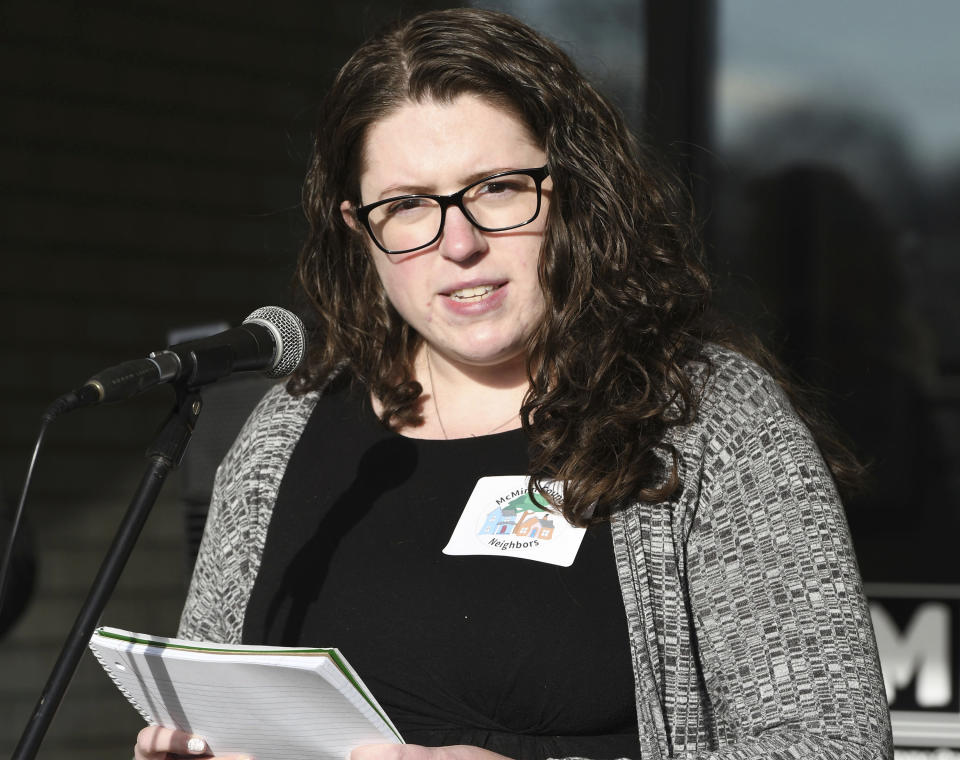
164,455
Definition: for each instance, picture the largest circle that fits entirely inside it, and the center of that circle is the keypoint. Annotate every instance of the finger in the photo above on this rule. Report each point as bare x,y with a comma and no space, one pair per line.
376,752
156,741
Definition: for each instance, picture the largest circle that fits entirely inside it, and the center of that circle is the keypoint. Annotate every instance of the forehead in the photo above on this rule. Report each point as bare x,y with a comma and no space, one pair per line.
433,142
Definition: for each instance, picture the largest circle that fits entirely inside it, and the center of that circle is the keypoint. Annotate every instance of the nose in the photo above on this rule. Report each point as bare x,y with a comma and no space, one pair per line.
460,240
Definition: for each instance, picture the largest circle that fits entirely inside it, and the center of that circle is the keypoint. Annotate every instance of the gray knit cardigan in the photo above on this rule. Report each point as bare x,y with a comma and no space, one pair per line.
750,633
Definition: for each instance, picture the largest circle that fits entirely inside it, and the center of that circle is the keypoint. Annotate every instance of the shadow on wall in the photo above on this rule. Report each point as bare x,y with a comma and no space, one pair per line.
21,575
827,266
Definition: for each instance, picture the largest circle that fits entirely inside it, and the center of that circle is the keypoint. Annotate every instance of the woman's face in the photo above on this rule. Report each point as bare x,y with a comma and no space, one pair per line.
473,296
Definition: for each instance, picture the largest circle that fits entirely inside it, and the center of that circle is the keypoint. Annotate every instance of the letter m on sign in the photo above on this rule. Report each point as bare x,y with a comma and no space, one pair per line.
919,655
918,637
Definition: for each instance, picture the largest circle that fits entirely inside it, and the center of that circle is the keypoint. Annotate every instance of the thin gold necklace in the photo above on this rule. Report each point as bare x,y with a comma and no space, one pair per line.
436,408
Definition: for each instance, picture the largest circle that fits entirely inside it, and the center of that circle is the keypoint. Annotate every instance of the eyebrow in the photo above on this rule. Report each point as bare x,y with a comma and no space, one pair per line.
393,191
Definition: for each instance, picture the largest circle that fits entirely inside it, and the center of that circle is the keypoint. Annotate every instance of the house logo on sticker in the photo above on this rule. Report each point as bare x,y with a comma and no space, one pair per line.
521,517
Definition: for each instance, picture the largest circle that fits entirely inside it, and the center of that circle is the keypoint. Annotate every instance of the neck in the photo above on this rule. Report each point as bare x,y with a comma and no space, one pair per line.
462,401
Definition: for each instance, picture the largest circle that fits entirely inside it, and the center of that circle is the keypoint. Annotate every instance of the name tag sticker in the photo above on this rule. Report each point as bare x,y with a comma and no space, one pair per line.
501,520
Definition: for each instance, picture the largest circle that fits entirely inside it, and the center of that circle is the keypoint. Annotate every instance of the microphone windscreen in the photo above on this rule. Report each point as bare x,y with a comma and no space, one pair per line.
289,334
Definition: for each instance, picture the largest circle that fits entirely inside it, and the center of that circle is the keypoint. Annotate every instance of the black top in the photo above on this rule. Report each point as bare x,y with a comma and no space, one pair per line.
521,657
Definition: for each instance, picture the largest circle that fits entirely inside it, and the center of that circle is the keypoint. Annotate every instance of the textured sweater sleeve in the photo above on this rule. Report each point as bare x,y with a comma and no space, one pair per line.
785,640
244,493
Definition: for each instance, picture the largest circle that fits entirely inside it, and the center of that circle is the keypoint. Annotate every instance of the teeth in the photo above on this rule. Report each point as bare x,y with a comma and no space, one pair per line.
465,294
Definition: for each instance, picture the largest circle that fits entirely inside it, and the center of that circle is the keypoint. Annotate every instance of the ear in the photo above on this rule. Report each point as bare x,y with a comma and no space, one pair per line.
346,211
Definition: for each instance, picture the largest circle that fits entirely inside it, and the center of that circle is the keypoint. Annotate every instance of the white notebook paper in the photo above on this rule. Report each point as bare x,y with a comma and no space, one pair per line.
273,703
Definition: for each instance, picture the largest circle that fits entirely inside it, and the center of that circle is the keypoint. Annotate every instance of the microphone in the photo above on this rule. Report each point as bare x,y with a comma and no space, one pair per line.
271,339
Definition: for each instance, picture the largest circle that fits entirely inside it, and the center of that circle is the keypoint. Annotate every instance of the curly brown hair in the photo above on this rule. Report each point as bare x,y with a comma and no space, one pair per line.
625,291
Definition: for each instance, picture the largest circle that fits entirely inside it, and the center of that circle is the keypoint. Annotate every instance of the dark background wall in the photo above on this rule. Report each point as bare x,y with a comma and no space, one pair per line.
151,156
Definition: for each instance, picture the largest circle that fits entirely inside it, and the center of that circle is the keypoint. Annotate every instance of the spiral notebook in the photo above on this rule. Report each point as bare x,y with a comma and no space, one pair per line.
274,703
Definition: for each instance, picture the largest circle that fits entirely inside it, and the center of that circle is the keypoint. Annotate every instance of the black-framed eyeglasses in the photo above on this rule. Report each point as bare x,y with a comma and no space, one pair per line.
502,201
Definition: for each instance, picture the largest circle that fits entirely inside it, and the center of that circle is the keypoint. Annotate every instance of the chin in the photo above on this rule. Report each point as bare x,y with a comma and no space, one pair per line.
488,358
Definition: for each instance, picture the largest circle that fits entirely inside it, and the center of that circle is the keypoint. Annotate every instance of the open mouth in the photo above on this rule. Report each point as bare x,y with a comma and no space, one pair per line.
473,294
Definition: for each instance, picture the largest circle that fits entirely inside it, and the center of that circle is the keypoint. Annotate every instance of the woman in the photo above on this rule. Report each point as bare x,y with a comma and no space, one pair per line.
501,287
